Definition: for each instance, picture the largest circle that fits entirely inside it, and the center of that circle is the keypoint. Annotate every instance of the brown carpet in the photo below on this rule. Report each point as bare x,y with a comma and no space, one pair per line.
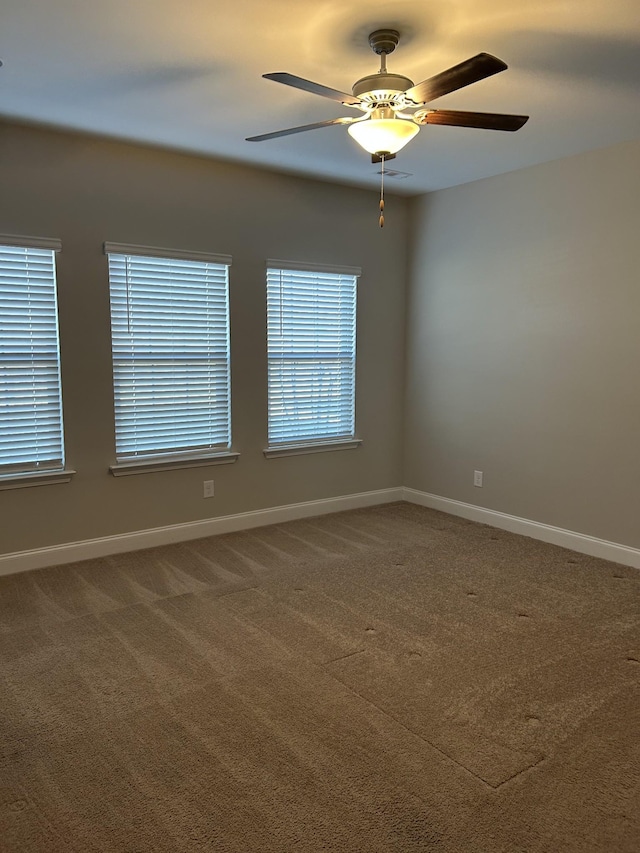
388,679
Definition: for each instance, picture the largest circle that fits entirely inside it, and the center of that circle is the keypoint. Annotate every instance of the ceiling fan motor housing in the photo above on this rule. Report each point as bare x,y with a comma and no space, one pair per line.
382,83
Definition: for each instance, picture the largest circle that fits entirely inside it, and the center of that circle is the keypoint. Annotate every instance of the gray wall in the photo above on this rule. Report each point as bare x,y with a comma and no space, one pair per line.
85,191
523,344
521,328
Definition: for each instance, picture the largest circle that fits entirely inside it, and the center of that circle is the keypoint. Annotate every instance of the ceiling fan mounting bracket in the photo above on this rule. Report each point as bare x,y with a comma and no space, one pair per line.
384,41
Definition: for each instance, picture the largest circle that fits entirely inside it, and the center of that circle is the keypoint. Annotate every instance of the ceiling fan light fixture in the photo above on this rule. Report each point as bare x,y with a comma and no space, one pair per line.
383,135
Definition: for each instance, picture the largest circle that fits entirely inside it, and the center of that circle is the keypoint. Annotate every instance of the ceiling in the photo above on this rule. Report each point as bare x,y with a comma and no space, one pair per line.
187,75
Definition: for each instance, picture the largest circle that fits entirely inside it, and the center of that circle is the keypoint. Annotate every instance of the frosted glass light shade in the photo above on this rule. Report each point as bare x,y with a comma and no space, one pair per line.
383,135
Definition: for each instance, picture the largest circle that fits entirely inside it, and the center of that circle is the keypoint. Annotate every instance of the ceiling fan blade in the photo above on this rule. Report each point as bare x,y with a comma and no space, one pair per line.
467,72
487,121
314,88
276,134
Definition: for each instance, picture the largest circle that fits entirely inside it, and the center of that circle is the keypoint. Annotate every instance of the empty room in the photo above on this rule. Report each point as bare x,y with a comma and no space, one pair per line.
319,427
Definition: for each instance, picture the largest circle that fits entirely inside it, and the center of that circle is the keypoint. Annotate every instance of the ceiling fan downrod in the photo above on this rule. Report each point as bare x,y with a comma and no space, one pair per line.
384,42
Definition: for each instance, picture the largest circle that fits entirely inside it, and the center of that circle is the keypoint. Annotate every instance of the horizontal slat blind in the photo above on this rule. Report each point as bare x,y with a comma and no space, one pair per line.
311,333
31,434
170,342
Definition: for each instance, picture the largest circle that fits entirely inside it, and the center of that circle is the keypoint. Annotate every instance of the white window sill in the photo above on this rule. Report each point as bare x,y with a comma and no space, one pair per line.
35,478
168,463
320,447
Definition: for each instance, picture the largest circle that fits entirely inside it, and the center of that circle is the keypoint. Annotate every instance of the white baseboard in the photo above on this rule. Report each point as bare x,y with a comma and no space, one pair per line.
534,529
39,558
71,552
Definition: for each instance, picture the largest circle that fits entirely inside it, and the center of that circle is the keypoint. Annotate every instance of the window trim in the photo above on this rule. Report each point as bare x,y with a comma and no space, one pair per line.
277,450
170,462
303,266
37,478
52,243
170,254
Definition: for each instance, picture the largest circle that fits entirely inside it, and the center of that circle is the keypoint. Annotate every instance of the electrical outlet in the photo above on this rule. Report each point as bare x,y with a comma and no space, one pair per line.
207,489
477,478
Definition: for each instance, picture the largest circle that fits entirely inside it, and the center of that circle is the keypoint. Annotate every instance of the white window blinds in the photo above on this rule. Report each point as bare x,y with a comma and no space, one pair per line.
311,335
31,435
170,342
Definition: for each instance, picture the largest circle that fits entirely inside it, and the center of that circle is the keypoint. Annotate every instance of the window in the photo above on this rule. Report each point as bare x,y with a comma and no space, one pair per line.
311,338
31,432
170,343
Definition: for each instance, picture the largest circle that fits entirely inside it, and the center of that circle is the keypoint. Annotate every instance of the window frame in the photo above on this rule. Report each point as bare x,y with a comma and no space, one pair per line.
34,474
318,443
189,457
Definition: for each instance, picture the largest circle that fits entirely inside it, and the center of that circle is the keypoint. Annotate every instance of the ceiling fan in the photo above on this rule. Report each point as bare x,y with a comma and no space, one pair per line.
394,108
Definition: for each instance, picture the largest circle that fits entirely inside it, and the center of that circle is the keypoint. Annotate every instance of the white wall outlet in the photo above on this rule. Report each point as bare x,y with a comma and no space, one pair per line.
207,489
477,478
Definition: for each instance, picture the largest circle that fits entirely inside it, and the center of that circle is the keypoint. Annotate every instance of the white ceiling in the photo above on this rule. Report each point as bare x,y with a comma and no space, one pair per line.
186,74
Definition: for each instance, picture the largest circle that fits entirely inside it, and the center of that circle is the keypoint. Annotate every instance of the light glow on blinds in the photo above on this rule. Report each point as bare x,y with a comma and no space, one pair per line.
31,432
311,337
170,343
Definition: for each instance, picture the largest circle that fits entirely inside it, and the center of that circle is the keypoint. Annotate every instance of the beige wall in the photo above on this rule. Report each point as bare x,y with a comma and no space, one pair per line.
85,191
523,344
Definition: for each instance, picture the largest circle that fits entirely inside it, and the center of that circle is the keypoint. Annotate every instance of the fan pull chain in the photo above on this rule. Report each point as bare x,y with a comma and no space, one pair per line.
382,192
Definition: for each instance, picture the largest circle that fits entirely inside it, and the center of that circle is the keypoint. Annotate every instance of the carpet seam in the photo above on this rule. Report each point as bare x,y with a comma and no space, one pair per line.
411,731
